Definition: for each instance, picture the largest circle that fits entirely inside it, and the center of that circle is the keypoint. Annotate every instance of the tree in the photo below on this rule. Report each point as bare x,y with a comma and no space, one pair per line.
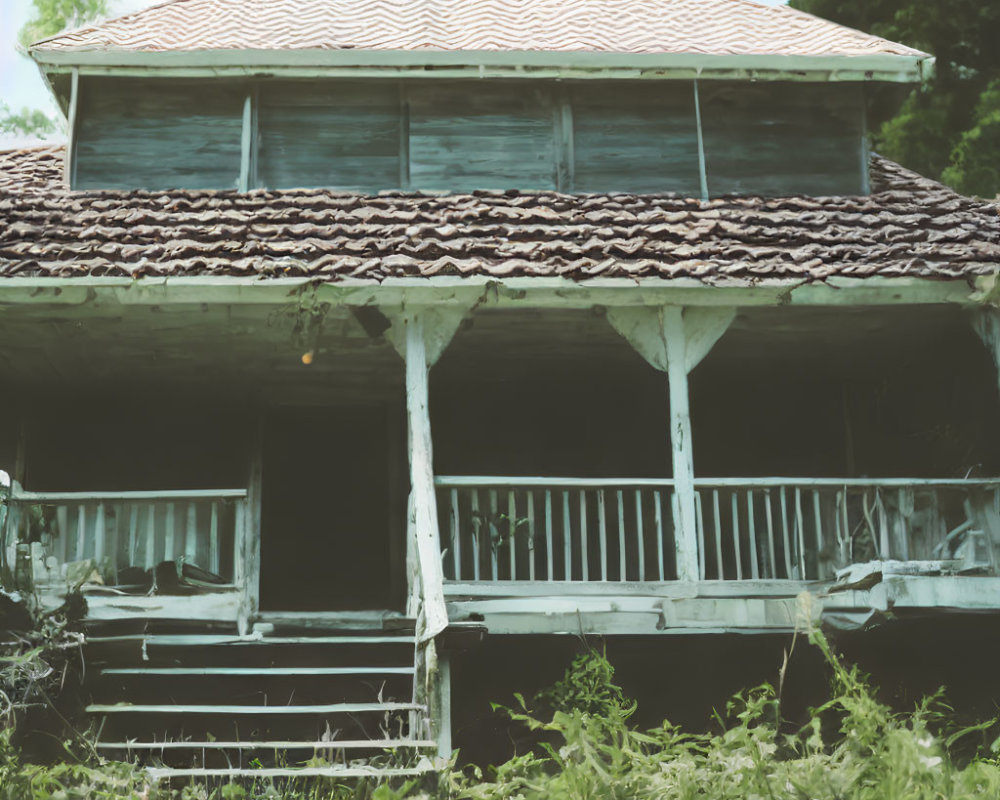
49,18
949,127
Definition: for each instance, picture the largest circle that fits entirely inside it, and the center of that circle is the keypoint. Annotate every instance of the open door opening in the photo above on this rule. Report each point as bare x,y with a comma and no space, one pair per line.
329,539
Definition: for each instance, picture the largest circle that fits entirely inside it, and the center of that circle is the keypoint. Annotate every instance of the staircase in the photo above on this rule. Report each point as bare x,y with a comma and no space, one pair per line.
214,704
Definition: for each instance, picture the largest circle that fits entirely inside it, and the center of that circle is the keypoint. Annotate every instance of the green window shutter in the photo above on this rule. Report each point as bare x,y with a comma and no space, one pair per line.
635,138
781,139
335,135
481,136
158,134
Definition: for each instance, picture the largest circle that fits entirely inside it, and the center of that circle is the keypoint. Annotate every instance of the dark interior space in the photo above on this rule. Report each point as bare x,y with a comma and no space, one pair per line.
136,443
686,678
547,394
330,496
847,393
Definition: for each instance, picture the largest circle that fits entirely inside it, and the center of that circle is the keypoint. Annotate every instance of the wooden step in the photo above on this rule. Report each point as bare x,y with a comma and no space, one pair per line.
257,671
334,708
166,773
291,744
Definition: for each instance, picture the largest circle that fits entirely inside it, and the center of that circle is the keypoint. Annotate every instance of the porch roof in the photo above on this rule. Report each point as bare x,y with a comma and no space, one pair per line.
909,226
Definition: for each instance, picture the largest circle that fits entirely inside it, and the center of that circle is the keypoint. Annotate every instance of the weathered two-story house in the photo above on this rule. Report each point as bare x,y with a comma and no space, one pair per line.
345,331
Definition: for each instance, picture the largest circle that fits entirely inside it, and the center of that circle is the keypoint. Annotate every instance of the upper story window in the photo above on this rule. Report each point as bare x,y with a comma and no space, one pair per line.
643,136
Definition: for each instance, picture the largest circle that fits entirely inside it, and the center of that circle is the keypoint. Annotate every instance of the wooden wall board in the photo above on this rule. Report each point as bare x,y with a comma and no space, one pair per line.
147,134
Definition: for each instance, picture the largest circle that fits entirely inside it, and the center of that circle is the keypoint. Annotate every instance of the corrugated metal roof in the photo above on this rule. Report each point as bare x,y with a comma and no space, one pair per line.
908,227
702,27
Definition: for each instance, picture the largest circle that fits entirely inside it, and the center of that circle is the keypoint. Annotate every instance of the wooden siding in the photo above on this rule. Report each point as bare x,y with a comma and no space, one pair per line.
464,138
342,136
635,138
607,136
783,139
153,135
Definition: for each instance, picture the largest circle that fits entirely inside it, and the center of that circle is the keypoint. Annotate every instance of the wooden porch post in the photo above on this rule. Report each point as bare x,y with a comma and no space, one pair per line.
420,335
674,340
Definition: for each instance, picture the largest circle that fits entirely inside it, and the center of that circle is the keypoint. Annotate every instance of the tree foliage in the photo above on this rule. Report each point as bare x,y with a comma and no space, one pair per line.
52,16
948,128
26,122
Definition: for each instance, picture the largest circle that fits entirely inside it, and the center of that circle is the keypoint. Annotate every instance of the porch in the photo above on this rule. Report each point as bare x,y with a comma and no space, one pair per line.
583,384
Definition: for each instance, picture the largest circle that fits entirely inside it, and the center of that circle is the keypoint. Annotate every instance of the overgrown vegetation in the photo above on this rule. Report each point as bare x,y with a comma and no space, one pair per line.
853,747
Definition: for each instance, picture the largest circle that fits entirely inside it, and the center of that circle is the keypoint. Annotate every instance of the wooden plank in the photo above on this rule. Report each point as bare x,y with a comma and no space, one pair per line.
640,536
426,531
699,515
770,540
94,497
737,549
477,532
330,708
150,536
456,544
622,573
752,532
801,535
72,117
214,557
169,531
602,533
720,572
702,168
160,773
818,517
246,143
567,539
685,528
584,555
223,640
276,744
81,531
658,519
494,534
512,533
191,534
257,671
530,497
559,482
100,534
786,533
549,557
62,525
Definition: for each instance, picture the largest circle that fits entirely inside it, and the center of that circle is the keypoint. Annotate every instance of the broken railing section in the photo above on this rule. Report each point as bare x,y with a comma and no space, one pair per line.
800,529
121,538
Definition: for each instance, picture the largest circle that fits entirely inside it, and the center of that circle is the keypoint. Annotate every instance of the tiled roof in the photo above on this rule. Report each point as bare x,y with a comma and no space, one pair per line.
908,226
707,27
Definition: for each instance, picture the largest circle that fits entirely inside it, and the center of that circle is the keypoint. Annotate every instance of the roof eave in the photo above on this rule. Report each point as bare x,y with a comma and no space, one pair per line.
880,67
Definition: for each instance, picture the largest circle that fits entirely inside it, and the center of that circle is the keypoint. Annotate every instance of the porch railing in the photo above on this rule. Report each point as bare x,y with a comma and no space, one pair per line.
585,529
119,530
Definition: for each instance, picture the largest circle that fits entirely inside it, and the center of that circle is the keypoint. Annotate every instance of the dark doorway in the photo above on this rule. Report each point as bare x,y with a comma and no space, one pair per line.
326,526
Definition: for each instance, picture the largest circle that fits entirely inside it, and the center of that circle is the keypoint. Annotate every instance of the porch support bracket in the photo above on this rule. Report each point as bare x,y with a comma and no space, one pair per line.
674,340
420,334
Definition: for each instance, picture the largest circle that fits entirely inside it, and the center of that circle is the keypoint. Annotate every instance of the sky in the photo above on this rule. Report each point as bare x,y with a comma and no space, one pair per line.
20,83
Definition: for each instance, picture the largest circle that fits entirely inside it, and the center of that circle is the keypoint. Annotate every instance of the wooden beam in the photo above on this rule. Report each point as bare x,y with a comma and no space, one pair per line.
74,103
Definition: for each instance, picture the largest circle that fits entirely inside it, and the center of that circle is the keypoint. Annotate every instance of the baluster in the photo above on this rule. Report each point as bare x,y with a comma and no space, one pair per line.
567,540
602,528
583,536
133,533
640,535
548,535
734,497
99,535
719,571
700,522
530,497
191,534
845,542
168,534
494,535
752,530
512,532
883,526
62,523
118,512
456,547
658,519
801,535
81,532
150,536
770,544
818,514
904,531
786,534
622,571
477,531
214,559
